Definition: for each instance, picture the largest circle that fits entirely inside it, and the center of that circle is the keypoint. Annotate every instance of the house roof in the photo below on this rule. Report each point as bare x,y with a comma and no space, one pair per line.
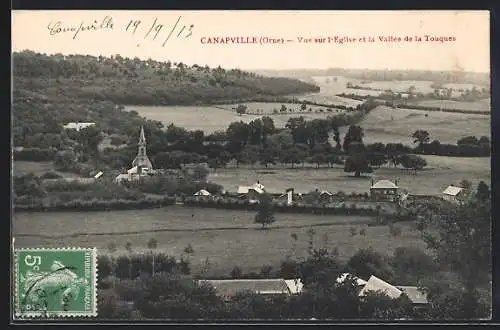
122,176
384,184
262,286
452,190
133,170
98,175
202,192
376,284
294,286
256,187
416,296
324,192
77,126
243,189
344,276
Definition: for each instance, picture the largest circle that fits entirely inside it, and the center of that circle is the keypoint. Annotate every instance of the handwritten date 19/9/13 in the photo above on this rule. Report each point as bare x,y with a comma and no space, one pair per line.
154,30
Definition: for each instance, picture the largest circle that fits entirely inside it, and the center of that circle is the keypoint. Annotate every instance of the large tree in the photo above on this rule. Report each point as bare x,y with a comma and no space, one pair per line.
354,134
421,137
265,213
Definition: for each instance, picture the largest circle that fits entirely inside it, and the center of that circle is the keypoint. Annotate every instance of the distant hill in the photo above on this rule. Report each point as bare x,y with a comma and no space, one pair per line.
138,82
367,74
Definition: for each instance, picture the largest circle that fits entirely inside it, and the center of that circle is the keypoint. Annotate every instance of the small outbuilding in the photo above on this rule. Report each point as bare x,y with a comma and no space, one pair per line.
384,190
202,192
453,194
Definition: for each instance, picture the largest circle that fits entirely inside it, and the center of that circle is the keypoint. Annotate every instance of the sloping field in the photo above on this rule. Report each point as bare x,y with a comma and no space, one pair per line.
226,238
37,168
388,125
270,107
482,105
210,119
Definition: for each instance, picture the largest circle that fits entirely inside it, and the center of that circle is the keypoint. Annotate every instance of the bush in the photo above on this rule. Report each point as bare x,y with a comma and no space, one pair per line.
367,262
353,231
395,231
265,271
236,272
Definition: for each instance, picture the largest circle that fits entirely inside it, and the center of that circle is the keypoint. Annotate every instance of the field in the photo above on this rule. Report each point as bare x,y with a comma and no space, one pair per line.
227,238
385,124
440,172
269,107
210,119
37,168
482,105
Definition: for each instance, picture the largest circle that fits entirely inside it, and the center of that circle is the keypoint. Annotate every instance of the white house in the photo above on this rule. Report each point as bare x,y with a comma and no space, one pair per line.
453,194
377,285
202,192
78,126
253,192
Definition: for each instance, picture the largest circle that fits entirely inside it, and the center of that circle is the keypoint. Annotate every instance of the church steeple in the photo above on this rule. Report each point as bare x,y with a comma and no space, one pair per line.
142,137
141,160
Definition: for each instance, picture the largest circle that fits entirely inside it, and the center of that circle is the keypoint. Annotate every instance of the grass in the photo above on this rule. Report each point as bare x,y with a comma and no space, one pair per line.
210,118
482,105
38,168
269,107
227,238
385,124
441,172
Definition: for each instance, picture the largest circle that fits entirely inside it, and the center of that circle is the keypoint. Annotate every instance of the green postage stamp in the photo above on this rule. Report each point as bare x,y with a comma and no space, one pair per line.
54,283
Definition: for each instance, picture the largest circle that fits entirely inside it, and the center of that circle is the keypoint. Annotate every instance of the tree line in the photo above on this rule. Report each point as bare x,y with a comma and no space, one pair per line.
144,82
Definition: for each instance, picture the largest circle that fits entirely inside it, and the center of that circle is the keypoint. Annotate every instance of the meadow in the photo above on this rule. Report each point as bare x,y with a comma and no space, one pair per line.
37,168
482,105
432,180
225,238
211,118
268,108
388,125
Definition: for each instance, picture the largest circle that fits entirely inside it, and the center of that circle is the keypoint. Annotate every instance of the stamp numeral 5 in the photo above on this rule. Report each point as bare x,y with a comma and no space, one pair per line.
33,261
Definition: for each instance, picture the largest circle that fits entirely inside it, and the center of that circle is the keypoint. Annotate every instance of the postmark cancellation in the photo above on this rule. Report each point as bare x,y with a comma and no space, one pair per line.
54,283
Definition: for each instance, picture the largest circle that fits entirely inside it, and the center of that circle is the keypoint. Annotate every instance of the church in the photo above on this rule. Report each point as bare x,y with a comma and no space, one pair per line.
141,166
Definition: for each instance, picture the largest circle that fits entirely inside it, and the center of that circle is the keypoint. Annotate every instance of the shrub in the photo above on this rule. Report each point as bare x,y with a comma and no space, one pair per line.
265,270
362,232
353,231
367,262
395,231
236,272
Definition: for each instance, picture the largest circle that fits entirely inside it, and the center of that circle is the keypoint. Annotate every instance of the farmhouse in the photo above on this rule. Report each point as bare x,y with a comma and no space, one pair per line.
384,190
417,296
202,192
289,193
252,193
377,285
268,287
141,165
453,194
77,126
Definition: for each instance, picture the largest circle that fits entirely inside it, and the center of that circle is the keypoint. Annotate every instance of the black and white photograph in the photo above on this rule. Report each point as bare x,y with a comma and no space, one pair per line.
251,165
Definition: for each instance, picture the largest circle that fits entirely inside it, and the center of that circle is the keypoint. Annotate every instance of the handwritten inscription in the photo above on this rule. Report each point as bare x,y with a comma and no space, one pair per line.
59,27
152,30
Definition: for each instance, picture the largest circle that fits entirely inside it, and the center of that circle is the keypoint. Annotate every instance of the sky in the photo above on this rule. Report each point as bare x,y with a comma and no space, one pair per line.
467,32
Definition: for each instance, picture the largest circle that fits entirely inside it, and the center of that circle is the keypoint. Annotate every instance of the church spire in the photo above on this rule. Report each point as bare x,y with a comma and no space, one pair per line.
141,160
142,137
